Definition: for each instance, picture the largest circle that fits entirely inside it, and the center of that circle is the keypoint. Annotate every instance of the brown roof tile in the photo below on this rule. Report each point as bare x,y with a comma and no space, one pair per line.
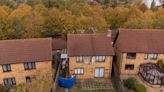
25,50
59,44
141,41
89,44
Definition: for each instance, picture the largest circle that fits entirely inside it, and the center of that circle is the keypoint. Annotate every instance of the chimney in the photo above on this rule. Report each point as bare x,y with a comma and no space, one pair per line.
109,33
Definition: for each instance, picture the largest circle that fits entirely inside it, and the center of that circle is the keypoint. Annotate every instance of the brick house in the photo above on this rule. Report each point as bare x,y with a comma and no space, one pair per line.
24,58
60,45
90,55
136,47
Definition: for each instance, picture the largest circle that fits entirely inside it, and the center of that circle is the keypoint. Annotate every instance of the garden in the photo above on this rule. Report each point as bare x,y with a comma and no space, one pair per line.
132,85
91,85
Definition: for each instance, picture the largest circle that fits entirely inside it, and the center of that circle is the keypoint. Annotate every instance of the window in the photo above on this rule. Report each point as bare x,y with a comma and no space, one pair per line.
6,68
145,56
87,59
100,58
131,55
29,66
129,67
28,79
153,56
79,71
9,81
79,59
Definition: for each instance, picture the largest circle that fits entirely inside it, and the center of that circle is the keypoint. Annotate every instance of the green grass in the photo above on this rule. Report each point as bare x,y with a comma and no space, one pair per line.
140,88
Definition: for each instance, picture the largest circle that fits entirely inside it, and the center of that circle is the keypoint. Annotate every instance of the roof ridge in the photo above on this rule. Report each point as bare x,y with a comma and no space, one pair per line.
26,39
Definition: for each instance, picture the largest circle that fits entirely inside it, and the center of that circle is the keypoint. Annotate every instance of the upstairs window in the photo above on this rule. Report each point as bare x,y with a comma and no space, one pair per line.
153,56
145,56
131,55
100,58
29,66
6,68
9,81
79,59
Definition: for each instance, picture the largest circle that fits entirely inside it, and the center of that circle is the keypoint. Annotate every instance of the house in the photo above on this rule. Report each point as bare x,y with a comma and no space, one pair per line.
21,60
90,55
60,45
138,46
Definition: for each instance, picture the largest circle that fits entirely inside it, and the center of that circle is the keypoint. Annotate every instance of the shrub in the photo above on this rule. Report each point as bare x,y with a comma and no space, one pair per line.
160,63
140,88
130,83
1,88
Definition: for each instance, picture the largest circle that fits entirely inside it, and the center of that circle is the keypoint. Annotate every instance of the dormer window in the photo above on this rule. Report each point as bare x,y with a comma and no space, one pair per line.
131,55
153,56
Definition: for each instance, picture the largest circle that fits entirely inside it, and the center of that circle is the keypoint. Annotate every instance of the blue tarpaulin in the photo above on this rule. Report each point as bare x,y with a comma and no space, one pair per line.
67,82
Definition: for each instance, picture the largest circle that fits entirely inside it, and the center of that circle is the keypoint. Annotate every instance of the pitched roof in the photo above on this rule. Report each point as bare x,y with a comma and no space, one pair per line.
141,41
59,44
89,44
25,50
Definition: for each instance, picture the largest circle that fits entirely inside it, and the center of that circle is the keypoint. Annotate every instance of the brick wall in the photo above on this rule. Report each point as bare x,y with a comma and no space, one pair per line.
139,60
17,71
89,69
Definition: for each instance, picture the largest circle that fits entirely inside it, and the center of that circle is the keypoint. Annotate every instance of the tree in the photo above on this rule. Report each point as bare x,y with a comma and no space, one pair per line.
160,63
1,88
153,6
3,23
143,7
40,83
116,17
130,82
159,21
24,23
54,23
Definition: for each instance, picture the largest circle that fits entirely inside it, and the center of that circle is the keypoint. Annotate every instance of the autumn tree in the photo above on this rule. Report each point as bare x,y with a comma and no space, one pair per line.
39,83
25,23
159,21
153,6
116,17
3,23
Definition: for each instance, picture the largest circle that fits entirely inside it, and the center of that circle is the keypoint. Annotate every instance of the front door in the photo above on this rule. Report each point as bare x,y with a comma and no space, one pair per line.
99,72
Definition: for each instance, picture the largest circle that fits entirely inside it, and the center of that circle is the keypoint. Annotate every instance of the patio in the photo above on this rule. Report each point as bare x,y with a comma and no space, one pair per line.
93,85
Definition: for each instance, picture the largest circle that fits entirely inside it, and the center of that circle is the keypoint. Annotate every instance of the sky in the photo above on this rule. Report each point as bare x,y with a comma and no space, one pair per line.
148,2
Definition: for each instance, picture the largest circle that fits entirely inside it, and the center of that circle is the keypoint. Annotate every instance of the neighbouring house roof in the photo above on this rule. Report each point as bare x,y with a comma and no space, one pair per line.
89,45
59,43
25,50
141,41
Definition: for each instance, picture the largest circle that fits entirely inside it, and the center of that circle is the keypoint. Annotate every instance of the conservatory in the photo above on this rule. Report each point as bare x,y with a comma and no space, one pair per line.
152,73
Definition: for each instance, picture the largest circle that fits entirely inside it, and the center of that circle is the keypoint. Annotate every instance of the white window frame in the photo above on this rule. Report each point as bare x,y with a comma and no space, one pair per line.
146,56
100,58
154,56
79,59
79,71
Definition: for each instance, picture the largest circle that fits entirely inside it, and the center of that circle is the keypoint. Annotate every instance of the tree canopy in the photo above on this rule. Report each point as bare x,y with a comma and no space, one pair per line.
47,18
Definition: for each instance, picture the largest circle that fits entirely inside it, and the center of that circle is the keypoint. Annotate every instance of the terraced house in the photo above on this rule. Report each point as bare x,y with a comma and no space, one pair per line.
90,55
137,47
20,60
